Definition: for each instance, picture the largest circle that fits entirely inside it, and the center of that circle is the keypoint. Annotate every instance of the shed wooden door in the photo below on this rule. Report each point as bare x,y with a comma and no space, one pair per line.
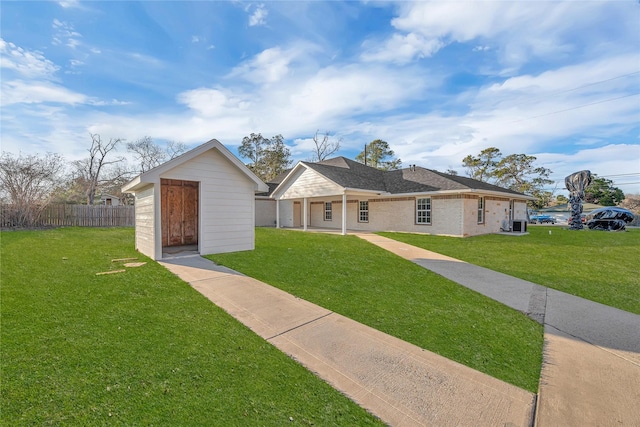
179,212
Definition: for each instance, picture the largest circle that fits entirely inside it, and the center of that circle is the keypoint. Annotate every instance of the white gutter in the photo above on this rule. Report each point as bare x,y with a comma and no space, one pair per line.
469,191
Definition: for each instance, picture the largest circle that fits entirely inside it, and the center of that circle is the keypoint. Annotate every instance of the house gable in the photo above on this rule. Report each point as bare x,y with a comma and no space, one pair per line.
303,181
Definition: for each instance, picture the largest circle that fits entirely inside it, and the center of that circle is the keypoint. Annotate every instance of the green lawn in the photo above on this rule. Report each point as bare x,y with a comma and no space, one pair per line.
136,348
354,278
597,265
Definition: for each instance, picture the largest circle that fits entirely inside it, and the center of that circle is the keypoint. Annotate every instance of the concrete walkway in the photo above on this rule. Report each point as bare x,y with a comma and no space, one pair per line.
590,374
591,369
400,383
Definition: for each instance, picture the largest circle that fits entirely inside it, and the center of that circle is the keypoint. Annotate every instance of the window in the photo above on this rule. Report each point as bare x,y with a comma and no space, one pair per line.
423,211
481,210
363,212
327,211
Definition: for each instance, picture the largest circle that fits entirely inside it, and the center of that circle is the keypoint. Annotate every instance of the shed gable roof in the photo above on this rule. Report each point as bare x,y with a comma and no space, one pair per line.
153,175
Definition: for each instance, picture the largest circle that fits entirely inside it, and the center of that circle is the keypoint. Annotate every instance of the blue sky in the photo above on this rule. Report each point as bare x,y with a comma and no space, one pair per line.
437,80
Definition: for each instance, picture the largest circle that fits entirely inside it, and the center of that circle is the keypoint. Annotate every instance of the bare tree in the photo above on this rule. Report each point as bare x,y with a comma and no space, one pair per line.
175,149
149,154
90,171
27,184
325,146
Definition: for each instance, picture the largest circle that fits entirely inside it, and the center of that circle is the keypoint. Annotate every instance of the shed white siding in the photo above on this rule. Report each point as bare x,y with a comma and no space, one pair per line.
226,202
145,220
225,217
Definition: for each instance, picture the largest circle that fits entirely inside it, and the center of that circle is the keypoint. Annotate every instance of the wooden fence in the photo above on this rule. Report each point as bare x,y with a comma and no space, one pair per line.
70,215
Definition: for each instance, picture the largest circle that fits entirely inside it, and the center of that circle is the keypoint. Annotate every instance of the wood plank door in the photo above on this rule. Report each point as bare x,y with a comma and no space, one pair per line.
179,212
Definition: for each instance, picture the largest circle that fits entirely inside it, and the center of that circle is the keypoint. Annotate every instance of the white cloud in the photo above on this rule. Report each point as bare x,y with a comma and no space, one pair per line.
270,65
213,102
402,48
353,90
69,4
30,64
18,91
37,82
65,34
521,30
259,16
528,114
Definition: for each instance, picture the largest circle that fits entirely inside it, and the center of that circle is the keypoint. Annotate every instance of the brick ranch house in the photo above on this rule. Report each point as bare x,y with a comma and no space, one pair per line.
343,194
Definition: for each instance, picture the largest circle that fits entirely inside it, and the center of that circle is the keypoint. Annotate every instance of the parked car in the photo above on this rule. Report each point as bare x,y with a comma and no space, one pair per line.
611,218
542,219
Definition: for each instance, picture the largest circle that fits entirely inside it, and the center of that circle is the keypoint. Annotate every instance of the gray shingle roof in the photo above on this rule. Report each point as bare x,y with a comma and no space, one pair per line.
351,174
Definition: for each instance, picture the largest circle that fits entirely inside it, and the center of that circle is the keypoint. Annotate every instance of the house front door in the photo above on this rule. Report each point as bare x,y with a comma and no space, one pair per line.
179,212
297,214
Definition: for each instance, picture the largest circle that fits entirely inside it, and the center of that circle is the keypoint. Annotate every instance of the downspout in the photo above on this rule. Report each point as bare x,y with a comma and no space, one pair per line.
277,213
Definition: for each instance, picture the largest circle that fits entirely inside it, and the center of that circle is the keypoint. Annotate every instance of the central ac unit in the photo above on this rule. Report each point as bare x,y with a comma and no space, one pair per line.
519,226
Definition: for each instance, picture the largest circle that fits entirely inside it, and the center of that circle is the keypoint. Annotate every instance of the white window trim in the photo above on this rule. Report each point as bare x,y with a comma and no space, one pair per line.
361,211
328,211
481,208
428,212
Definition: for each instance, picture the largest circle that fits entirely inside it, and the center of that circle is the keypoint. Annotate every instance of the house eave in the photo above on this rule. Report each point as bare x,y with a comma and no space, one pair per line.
349,190
466,191
134,185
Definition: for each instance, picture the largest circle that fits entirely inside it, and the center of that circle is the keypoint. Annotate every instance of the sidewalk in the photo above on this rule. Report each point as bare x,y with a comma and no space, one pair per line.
590,374
400,383
591,368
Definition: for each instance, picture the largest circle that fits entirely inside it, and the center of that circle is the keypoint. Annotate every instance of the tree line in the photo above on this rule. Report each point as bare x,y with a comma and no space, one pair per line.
32,181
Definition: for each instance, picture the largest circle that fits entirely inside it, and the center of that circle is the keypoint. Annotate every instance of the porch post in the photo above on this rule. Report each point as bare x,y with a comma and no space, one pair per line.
277,213
344,213
304,214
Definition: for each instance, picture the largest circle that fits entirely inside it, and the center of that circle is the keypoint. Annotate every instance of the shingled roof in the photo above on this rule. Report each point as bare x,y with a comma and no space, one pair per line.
354,175
350,174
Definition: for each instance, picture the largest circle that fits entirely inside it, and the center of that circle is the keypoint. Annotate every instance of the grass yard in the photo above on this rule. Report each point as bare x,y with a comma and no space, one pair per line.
136,348
596,265
356,279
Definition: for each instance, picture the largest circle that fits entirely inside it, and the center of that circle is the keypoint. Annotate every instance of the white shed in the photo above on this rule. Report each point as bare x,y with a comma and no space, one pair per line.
203,200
